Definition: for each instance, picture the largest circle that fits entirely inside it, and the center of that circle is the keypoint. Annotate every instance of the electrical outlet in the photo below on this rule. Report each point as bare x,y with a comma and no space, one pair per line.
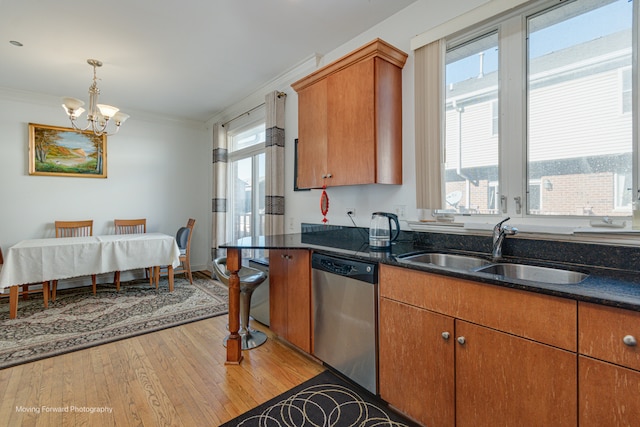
400,210
292,224
351,211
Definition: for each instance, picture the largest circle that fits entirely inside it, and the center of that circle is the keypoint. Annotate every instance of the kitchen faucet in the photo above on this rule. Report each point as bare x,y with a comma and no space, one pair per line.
499,233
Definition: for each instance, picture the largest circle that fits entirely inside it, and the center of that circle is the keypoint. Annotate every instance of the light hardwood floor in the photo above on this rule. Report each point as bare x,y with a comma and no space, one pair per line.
174,377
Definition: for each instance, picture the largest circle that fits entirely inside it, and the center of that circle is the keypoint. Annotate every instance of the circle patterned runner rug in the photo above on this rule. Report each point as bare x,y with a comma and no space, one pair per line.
77,319
325,400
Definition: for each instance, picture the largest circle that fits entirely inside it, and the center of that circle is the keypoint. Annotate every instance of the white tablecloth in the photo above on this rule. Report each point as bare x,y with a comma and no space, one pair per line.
37,260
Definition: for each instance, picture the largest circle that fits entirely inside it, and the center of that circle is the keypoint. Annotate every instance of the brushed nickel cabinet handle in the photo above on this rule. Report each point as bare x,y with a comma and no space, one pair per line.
630,341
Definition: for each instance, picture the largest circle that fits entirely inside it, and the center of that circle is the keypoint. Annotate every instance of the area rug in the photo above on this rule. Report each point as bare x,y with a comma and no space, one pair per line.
77,319
323,401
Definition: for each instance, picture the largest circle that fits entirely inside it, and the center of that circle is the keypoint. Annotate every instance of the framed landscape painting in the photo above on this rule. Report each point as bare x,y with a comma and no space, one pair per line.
58,151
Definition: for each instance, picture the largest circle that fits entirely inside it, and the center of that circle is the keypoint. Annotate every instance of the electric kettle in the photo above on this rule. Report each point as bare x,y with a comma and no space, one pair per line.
381,233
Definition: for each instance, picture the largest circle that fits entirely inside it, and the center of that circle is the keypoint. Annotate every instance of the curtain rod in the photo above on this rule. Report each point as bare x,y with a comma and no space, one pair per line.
246,113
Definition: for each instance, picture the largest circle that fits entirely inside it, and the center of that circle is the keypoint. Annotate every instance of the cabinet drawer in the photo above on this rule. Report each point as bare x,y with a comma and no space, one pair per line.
542,318
602,331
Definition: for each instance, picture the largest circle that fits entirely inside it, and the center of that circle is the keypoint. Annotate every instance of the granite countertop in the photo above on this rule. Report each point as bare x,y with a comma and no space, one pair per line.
616,287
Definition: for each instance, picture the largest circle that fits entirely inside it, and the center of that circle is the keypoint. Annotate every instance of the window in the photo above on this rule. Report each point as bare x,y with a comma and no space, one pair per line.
246,180
536,104
576,136
471,145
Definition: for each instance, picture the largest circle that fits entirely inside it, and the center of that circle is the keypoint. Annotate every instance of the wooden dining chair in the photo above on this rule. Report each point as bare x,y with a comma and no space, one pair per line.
130,226
25,287
73,229
183,238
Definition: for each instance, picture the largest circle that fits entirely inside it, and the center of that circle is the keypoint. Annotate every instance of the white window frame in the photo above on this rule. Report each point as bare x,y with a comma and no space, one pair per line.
511,28
252,152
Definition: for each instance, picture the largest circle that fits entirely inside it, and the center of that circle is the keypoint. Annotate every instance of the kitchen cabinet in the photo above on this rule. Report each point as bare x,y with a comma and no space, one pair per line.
608,366
350,119
486,355
290,296
415,353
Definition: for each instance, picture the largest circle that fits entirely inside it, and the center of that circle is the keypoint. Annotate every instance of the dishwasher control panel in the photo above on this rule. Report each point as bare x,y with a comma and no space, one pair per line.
355,269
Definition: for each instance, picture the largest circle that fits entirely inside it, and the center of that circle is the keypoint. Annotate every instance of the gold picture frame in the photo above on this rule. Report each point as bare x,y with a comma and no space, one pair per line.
59,151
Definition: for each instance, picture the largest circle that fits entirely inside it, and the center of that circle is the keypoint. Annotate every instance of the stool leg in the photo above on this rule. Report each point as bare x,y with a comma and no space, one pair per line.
245,306
249,338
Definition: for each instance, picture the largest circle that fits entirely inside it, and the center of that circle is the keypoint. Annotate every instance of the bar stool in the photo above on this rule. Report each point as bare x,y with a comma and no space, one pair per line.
250,279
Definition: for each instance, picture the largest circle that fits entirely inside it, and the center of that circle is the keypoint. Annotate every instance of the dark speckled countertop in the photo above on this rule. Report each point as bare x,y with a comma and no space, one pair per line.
614,271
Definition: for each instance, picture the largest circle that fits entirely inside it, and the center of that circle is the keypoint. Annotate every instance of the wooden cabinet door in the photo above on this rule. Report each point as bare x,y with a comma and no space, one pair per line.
502,379
312,135
290,296
299,299
351,125
278,301
609,394
416,363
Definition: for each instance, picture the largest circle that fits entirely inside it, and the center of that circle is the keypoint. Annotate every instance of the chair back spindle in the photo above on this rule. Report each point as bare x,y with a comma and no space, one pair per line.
74,228
130,226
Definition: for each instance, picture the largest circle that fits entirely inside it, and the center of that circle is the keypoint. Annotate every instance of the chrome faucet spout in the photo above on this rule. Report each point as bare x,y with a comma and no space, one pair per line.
500,231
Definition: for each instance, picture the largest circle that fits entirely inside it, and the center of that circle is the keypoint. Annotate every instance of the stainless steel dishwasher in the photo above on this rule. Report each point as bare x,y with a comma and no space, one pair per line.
345,295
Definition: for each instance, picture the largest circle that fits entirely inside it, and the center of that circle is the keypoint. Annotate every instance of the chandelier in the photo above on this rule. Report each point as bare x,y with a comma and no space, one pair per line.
99,115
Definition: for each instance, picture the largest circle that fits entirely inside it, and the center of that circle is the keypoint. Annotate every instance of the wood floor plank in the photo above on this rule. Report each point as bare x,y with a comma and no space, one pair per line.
175,377
117,370
184,379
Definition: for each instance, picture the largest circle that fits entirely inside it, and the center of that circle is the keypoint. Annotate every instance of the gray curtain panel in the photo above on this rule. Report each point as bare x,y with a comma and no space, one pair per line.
274,182
219,200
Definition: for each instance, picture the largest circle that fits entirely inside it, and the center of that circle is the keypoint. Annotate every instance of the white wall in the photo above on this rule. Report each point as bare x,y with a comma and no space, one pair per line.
304,206
397,30
156,169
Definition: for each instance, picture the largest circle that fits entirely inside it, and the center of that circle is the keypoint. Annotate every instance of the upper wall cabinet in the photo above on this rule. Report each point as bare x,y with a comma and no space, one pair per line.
350,119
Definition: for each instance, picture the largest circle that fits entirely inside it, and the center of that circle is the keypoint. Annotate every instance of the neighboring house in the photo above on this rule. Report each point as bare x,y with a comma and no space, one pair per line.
557,153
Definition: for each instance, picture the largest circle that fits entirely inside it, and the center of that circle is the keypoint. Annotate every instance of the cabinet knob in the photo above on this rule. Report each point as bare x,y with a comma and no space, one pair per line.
462,340
630,340
445,335
329,175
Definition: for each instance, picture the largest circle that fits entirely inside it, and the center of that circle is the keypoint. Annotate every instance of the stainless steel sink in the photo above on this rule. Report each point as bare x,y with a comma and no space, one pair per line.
534,273
460,262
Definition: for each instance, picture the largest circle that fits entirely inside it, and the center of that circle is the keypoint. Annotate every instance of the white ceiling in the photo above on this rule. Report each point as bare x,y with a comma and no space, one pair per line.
185,59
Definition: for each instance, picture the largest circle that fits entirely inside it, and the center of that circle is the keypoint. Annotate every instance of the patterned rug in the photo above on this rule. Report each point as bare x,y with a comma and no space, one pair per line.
323,401
77,319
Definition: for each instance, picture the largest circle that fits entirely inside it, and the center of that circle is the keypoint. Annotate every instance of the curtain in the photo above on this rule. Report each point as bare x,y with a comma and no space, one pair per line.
274,159
219,201
429,75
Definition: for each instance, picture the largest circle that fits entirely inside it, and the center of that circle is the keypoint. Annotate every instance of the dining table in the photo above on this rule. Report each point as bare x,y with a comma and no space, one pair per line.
44,260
